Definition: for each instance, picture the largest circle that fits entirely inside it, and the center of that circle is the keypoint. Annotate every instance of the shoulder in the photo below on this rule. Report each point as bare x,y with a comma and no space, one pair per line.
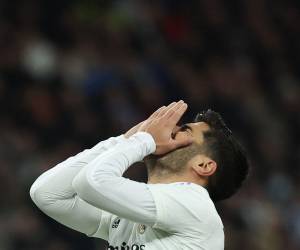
195,195
188,203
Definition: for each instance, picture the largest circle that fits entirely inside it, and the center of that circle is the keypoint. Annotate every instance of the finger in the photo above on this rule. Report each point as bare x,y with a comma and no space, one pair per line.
133,130
171,104
144,125
175,130
156,113
179,143
164,110
169,113
177,114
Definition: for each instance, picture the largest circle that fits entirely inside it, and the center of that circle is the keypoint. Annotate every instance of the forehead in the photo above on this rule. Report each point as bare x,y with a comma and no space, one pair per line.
201,126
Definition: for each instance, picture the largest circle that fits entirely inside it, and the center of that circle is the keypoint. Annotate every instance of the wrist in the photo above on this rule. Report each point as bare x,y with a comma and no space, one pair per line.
146,140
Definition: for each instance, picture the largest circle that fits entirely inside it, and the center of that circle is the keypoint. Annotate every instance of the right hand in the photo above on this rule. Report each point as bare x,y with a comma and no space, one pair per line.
162,125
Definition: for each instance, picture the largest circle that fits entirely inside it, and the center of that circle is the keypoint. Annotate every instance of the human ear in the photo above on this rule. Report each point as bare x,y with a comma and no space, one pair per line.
206,167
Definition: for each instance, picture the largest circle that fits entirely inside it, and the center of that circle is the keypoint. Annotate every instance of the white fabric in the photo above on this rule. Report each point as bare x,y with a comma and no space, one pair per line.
130,215
186,220
101,183
53,193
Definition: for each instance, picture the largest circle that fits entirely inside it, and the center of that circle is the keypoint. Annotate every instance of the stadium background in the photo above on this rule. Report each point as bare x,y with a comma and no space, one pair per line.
76,72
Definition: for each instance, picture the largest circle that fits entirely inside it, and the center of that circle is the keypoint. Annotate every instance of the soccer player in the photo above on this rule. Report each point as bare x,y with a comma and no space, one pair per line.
189,167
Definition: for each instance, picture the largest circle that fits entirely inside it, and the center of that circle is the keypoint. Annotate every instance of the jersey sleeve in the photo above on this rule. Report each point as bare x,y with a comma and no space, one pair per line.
53,193
101,183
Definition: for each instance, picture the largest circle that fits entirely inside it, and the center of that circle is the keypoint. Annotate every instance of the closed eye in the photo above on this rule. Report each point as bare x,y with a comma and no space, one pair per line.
182,128
185,127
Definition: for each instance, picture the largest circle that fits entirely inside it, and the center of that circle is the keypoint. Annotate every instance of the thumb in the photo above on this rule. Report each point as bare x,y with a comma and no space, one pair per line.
178,143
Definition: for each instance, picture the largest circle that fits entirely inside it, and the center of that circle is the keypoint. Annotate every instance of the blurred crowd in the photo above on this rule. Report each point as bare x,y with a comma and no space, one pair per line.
73,73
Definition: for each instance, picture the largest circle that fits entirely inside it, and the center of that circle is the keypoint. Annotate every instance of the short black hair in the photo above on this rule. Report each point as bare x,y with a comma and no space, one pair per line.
231,158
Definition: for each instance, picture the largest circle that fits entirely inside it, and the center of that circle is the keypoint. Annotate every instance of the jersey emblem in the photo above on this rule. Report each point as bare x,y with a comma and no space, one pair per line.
142,229
116,222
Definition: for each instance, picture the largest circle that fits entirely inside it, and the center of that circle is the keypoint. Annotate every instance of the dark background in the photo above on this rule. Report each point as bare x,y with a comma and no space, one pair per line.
75,72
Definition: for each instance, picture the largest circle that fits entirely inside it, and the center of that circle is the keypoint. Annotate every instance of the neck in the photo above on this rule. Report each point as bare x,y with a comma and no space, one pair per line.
156,179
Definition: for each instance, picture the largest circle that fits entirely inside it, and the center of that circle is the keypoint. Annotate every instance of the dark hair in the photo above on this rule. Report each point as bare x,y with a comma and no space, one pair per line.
231,159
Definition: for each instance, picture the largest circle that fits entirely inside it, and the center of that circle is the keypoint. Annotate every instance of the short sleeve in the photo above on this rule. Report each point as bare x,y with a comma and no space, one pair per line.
103,229
184,208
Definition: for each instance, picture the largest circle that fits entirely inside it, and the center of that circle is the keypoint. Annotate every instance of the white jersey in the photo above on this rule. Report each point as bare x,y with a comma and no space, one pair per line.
88,193
186,219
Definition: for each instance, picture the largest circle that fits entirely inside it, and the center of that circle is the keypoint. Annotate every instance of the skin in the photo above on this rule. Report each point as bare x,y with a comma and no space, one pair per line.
178,156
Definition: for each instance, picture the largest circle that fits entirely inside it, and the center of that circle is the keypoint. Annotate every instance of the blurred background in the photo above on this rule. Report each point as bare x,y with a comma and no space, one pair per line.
75,72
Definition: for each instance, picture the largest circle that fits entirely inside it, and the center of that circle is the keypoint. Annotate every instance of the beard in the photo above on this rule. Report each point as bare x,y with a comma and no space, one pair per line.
172,163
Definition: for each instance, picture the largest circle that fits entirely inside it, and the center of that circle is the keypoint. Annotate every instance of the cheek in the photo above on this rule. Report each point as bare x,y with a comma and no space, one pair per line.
183,135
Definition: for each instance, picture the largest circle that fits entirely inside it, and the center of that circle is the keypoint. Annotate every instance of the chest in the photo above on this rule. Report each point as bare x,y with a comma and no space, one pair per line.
127,235
123,231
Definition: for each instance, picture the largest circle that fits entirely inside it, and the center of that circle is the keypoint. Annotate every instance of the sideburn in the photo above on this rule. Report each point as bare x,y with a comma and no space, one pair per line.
172,163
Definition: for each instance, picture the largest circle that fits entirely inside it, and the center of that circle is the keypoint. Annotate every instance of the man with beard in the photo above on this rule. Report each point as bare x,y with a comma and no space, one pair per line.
189,168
